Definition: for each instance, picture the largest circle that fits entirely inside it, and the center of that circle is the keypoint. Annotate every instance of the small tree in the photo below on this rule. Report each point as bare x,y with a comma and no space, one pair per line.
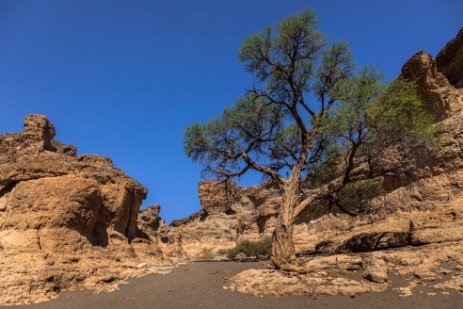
310,110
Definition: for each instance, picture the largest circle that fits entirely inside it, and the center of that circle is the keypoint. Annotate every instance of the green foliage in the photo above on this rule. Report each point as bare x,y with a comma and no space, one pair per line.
308,113
354,197
327,168
270,55
335,67
252,248
344,127
206,254
369,112
266,125
355,96
399,112
219,143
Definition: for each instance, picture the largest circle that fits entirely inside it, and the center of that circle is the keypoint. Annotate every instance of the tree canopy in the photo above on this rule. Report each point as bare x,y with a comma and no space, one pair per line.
309,100
309,111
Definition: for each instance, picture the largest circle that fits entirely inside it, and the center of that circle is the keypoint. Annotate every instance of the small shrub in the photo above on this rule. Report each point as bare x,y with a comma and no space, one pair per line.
206,254
355,197
222,251
252,248
232,253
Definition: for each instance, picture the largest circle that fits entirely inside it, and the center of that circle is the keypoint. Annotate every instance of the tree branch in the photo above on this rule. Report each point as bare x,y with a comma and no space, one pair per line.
261,168
228,174
318,193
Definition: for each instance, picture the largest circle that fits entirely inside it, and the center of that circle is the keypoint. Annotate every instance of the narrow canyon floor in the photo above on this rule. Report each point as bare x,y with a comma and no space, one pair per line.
201,285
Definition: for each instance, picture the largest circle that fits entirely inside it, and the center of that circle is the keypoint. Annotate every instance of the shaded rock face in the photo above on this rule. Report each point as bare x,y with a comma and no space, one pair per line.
148,219
66,222
450,60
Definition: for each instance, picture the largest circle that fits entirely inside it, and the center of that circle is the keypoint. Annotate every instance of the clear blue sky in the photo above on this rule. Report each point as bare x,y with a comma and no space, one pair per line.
124,79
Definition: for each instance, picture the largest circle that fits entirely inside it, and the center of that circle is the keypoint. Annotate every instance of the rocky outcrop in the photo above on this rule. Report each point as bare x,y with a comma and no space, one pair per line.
440,97
149,220
229,214
217,196
450,60
264,203
67,222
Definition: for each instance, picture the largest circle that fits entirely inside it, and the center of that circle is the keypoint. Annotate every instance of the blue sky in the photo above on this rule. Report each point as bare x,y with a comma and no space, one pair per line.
124,79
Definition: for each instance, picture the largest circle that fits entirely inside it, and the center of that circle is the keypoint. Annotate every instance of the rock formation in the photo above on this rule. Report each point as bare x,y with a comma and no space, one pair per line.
67,222
229,215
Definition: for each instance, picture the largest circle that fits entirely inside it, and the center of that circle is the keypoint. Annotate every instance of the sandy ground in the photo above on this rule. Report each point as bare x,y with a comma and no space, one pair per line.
200,285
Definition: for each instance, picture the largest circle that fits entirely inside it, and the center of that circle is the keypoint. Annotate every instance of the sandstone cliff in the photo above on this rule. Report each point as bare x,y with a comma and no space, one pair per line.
67,222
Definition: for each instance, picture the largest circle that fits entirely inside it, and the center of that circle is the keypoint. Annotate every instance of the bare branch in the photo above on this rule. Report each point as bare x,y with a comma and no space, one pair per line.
318,193
224,173
307,108
262,168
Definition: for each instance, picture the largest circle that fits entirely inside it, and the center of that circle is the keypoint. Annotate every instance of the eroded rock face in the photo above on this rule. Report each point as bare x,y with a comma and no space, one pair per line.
230,214
66,222
439,95
148,219
217,196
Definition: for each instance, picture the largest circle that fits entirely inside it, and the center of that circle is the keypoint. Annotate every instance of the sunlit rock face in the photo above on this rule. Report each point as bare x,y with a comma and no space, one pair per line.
66,222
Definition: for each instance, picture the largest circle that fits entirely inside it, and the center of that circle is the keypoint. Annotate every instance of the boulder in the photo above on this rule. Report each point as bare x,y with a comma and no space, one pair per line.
375,269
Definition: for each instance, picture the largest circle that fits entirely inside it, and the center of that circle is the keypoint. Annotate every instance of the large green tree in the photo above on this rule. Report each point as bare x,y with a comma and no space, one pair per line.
309,111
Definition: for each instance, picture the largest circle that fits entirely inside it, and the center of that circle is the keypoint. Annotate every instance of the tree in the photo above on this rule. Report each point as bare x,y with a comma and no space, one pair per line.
310,110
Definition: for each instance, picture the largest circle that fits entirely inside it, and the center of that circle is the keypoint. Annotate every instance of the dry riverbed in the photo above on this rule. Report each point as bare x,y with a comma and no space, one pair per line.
201,285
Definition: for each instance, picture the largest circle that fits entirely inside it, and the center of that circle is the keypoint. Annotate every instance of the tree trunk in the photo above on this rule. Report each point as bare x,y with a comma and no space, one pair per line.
282,240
